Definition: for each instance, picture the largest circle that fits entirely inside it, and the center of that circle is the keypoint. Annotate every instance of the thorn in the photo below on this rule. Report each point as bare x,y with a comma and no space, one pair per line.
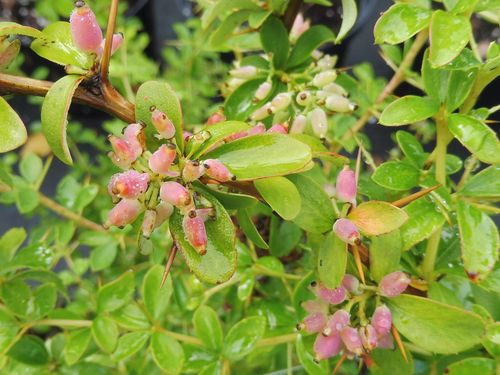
339,364
358,165
410,198
359,264
398,340
168,265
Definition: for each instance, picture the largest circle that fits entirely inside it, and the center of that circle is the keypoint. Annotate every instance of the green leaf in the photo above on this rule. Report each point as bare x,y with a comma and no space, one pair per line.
491,340
155,299
435,326
222,8
459,87
117,293
385,254
423,220
243,336
159,95
412,148
256,19
12,28
27,199
10,243
274,39
459,6
375,218
44,300
30,350
400,23
391,362
224,31
476,136
240,104
246,285
8,329
105,333
76,344
449,35
396,175
310,40
11,127
281,194
485,184
284,237
55,115
208,328
262,156
167,353
218,132
312,196
246,224
16,296
435,80
408,110
312,366
103,256
219,263
231,201
468,366
439,292
332,261
479,239
129,344
349,15
31,167
56,45
130,317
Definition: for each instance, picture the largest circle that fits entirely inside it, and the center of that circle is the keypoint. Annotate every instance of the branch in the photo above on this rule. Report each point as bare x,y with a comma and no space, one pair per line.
106,55
111,102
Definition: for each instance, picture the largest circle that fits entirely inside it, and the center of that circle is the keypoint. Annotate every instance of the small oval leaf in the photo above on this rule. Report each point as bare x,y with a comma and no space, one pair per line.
332,261
375,218
408,110
11,127
281,194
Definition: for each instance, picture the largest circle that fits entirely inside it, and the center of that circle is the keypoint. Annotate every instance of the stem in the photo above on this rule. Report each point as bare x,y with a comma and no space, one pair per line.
179,336
68,214
61,323
114,105
277,340
210,292
106,55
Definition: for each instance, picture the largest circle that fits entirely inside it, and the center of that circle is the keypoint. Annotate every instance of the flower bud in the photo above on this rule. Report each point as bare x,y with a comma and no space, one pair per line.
338,103
163,211
313,323
393,284
263,91
337,322
303,98
278,128
116,44
382,320
324,78
148,223
205,213
186,135
346,231
298,125
332,296
259,128
281,101
163,125
386,342
352,340
130,184
244,72
299,27
162,159
195,231
316,54
368,337
123,154
175,194
333,88
263,112
216,118
346,186
217,170
327,62
319,122
85,31
134,135
327,346
351,283
123,213
192,170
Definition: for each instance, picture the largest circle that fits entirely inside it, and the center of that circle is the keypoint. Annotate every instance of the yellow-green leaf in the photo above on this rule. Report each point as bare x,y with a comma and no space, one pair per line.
11,128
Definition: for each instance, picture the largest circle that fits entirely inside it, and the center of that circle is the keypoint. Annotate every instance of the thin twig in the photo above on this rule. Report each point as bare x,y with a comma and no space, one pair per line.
106,55
168,265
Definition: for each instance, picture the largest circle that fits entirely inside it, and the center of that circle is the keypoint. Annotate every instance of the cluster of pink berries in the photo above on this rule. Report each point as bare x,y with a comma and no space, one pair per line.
339,332
159,181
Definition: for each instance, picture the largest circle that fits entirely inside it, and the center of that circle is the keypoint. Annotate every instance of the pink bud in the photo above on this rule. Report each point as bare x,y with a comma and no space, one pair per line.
195,231
368,337
124,213
386,342
148,223
186,135
263,91
281,102
205,213
319,122
352,340
299,26
327,346
337,322
117,42
130,184
346,230
346,187
85,31
163,124
217,170
313,323
244,72
175,194
163,211
382,320
192,170
216,118
259,128
123,154
393,284
332,296
162,159
299,124
261,113
278,128
351,283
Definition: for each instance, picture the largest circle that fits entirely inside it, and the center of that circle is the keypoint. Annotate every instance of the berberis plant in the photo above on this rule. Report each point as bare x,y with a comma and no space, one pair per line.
301,252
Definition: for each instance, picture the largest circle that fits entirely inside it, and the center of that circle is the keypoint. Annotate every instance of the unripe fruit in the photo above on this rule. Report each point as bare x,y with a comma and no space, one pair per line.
338,103
217,170
352,340
216,118
324,78
278,128
346,186
148,223
123,213
134,135
333,88
163,211
195,231
327,346
263,112
175,194
368,337
327,62
123,154
393,284
337,322
332,296
351,283
85,31
162,159
244,72
130,184
382,320
303,98
163,125
298,125
281,101
319,122
346,231
192,170
313,323
386,342
263,91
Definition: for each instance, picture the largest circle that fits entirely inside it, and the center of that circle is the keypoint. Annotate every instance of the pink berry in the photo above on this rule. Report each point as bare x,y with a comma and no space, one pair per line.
216,118
217,170
351,283
368,336
130,184
192,170
313,323
332,296
393,284
346,230
163,211
162,159
346,186
298,124
124,213
163,124
337,322
175,194
278,128
148,223
382,320
195,231
123,155
327,346
134,135
352,340
85,31
386,342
